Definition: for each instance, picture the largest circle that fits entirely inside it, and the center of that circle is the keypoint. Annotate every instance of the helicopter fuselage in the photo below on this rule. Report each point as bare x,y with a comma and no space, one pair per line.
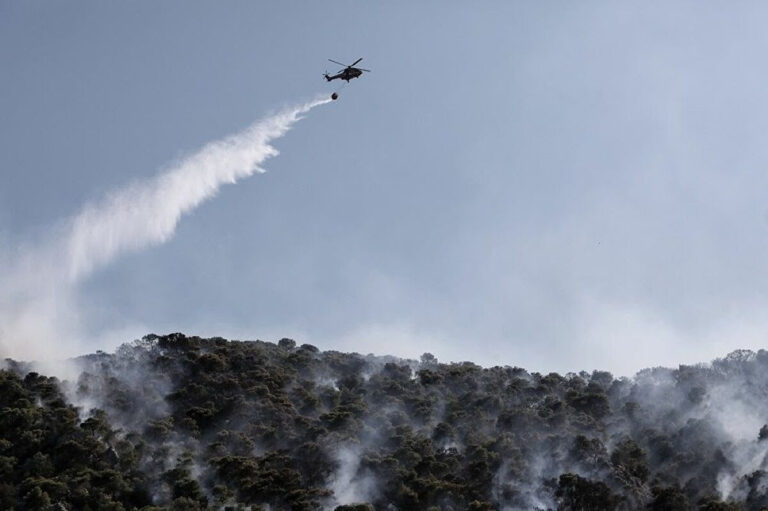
347,74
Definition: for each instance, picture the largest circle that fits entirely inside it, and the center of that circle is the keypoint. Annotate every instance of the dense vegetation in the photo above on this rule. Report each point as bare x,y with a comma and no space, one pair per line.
48,455
187,423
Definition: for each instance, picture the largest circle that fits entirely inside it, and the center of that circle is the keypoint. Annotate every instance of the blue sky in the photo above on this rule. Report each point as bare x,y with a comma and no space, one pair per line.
555,185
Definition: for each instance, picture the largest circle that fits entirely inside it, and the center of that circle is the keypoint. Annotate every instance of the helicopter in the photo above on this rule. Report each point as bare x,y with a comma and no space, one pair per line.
349,71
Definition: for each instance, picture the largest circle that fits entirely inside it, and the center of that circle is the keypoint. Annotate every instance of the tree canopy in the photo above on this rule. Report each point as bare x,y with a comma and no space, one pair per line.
178,422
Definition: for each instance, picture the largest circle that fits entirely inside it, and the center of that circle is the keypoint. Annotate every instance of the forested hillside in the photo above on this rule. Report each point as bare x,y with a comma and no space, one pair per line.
188,423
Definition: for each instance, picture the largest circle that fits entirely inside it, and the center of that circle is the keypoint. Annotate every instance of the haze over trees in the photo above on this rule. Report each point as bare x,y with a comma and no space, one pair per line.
177,422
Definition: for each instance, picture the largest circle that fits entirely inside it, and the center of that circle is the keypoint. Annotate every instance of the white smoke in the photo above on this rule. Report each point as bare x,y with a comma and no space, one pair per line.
347,485
38,311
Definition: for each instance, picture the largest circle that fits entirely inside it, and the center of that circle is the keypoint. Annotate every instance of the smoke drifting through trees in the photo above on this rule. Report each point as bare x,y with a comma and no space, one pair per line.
38,287
204,423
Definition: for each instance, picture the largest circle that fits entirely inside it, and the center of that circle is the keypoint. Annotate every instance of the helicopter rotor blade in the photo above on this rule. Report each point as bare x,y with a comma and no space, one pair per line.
339,63
361,69
355,62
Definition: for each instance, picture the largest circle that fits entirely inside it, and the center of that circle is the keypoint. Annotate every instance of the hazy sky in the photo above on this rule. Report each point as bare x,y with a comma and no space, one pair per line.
554,185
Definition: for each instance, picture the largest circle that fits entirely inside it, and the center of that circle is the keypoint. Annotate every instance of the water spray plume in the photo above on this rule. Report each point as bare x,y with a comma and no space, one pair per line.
147,213
37,294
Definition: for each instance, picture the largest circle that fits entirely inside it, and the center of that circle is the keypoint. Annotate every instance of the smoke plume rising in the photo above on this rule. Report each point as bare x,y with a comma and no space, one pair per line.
38,311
